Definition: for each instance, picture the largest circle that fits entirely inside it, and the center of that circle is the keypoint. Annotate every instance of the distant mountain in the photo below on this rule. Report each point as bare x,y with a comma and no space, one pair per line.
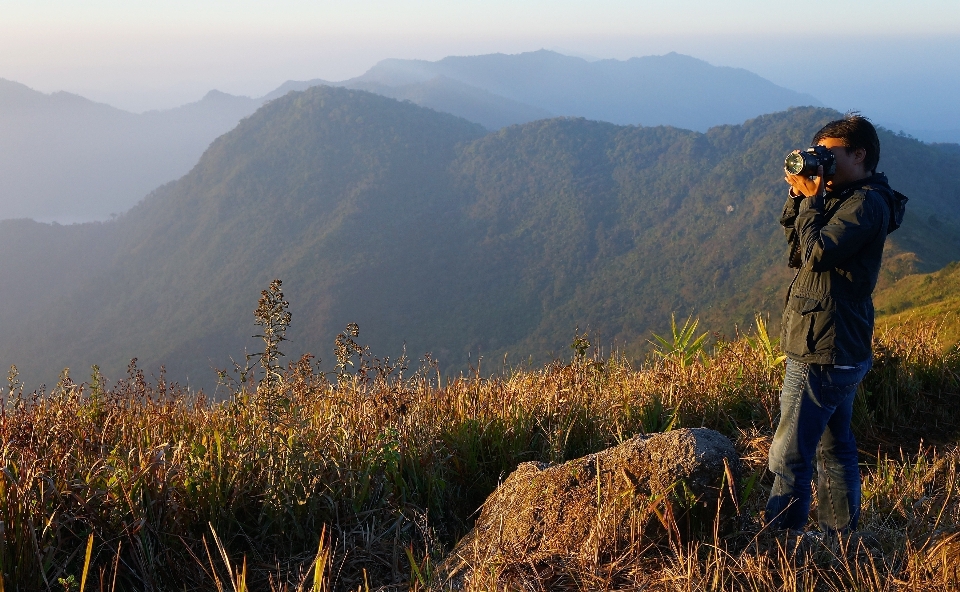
672,89
451,96
429,231
295,85
65,158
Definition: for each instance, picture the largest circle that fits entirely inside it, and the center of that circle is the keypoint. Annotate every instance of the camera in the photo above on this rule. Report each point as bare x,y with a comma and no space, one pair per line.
805,162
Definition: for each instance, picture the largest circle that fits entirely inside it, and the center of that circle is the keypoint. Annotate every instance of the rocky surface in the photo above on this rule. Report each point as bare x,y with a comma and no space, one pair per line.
647,490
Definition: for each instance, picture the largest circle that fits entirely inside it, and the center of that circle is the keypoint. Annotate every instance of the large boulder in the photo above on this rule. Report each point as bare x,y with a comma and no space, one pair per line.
649,490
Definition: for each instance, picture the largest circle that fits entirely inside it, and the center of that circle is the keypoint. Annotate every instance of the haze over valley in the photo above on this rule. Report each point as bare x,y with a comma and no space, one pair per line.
338,295
486,203
431,231
65,159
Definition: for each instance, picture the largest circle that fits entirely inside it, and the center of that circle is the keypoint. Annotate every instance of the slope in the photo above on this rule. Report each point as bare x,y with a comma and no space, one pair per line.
65,158
317,185
430,233
917,298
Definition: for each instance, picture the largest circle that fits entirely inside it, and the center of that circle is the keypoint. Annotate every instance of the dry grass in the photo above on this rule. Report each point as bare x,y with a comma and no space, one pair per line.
183,493
915,299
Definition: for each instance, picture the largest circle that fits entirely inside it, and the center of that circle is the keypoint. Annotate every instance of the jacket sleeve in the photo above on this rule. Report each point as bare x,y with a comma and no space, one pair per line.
827,242
787,220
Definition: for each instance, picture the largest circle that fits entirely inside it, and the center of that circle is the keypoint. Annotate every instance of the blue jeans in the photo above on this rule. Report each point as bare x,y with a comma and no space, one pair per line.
816,406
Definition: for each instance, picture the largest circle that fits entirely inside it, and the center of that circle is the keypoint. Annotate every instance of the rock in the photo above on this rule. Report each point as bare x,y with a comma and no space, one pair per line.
649,489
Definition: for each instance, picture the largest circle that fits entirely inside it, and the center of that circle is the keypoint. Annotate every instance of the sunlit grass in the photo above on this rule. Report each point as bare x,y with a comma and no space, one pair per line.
917,299
367,475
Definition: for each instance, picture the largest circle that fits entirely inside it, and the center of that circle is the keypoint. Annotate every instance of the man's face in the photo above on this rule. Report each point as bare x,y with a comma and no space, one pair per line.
849,162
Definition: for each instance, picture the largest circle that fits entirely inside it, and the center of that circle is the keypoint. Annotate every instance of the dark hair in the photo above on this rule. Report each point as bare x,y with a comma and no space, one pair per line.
856,131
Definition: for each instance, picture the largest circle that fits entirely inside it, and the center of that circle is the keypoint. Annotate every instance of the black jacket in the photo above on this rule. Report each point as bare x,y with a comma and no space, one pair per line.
836,244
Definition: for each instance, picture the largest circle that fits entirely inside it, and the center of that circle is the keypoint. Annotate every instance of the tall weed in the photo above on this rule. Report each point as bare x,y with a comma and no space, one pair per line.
383,469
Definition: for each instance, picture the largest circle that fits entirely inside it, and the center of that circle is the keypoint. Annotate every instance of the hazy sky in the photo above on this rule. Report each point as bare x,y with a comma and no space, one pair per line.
142,55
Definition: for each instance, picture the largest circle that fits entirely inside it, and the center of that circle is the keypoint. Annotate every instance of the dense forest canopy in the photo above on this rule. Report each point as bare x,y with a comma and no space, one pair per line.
434,234
69,159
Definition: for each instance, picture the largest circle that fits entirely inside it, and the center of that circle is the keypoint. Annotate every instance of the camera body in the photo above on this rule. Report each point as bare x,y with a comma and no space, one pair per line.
805,162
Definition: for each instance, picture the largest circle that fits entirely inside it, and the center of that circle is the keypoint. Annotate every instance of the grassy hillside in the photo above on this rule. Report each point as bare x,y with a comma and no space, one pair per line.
921,298
434,235
375,475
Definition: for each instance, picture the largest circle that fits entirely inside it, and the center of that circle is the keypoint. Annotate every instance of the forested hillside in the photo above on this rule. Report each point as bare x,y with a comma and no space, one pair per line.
429,232
65,158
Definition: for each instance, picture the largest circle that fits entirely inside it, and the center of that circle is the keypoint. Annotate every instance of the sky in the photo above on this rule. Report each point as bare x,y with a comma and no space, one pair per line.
900,60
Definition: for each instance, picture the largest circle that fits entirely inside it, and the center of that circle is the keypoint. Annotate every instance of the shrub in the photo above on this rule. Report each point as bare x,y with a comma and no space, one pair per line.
369,477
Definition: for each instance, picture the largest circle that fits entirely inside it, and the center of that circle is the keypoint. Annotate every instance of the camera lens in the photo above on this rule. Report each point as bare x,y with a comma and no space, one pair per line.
794,163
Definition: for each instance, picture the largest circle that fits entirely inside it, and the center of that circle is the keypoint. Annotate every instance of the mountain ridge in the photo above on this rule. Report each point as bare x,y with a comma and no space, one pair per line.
685,92
88,161
428,230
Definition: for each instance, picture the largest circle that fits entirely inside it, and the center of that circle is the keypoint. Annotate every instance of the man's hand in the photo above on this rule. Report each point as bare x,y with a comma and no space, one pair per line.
807,186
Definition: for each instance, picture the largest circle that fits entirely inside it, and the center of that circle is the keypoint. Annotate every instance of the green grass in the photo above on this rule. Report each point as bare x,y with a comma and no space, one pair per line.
365,476
919,298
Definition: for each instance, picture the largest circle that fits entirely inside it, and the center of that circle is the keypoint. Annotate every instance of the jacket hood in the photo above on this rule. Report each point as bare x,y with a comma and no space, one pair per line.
876,181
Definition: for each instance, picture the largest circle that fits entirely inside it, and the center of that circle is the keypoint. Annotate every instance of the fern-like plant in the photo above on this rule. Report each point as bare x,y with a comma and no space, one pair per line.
680,347
769,349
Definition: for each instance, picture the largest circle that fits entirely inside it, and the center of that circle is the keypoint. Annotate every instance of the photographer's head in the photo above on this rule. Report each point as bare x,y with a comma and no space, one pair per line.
854,142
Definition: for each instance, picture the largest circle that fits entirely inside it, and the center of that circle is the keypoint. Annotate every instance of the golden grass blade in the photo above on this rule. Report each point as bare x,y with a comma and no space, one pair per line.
241,585
86,564
116,565
223,554
320,562
731,485
213,568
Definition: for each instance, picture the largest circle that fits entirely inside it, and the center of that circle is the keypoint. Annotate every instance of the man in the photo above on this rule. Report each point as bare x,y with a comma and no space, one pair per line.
835,227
